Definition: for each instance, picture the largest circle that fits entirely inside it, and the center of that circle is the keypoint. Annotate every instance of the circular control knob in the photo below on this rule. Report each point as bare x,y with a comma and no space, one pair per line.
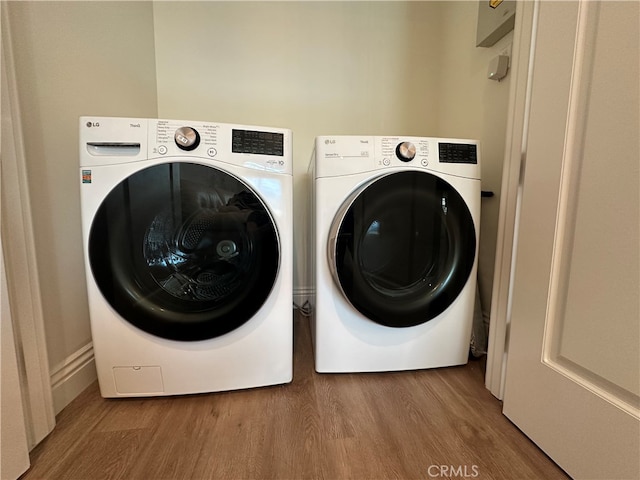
187,138
406,151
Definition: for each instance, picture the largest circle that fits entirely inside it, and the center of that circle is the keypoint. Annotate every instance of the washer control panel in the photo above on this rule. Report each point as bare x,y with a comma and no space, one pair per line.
114,140
256,147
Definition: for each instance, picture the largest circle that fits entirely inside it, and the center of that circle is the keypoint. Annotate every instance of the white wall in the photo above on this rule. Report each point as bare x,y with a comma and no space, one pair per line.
316,67
72,59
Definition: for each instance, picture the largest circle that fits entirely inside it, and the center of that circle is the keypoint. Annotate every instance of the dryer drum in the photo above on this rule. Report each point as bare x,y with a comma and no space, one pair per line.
404,249
184,251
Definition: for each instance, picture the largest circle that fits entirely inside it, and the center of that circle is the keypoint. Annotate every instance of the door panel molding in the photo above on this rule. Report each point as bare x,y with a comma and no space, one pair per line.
572,164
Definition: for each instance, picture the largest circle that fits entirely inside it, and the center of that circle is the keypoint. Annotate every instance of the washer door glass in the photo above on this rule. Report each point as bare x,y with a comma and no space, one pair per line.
404,248
184,251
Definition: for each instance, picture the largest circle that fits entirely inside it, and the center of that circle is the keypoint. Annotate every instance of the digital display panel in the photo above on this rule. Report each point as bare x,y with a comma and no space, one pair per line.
257,142
458,153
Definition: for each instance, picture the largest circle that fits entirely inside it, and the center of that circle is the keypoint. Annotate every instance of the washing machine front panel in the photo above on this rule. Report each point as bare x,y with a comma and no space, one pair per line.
402,248
184,251
229,187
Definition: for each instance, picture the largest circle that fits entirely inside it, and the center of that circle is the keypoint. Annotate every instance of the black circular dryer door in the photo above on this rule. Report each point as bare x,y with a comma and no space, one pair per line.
404,249
184,251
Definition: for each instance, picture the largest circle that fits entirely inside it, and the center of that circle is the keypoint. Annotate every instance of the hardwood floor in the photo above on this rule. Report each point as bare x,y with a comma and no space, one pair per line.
438,423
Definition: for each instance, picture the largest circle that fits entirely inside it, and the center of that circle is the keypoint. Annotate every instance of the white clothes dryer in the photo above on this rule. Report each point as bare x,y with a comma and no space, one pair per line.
187,230
396,242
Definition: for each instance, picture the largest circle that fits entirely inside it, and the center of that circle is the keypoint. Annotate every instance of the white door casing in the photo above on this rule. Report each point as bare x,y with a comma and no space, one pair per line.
14,451
22,285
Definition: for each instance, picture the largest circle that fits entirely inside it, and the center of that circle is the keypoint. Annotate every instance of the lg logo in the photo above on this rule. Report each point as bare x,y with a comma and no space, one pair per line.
93,124
329,141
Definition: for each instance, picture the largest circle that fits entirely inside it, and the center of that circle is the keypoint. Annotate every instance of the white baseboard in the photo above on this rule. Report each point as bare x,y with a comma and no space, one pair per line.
71,376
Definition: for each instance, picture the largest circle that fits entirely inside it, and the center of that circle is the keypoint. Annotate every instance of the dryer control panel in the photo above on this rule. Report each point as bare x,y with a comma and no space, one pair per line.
345,155
446,155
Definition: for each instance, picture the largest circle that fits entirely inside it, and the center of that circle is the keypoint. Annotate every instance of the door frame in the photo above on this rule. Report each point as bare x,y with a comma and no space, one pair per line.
512,177
20,258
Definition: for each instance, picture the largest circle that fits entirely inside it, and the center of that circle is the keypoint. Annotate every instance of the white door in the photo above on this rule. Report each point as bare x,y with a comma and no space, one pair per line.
573,369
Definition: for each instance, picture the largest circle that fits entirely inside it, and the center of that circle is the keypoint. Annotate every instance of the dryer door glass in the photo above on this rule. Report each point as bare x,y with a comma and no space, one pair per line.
404,249
184,251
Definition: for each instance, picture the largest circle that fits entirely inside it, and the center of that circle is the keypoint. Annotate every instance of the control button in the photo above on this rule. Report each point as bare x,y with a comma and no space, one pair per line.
212,152
162,149
406,151
187,138
425,162
386,162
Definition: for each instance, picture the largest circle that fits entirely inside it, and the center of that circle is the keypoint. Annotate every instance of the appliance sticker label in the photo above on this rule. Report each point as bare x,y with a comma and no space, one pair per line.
86,176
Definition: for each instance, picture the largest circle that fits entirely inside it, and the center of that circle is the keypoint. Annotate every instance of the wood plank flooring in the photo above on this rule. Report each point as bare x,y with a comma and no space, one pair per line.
438,423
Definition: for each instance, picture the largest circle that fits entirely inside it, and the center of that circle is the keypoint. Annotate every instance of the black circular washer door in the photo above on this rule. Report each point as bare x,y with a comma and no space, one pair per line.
184,251
404,249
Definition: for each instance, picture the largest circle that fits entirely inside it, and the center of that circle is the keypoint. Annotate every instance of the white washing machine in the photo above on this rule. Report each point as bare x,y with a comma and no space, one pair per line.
396,243
187,231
